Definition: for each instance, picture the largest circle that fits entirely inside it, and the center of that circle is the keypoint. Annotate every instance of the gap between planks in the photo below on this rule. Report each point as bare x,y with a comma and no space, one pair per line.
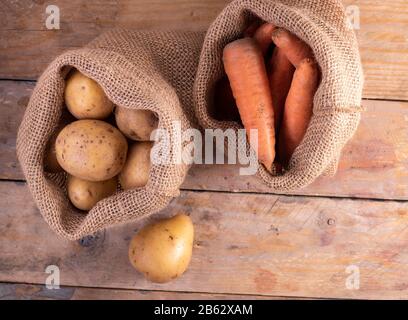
382,37
374,164
244,244
25,290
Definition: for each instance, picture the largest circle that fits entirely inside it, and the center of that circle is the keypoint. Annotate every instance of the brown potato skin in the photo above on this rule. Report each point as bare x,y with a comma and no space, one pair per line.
85,98
86,194
135,173
92,150
136,124
51,164
162,250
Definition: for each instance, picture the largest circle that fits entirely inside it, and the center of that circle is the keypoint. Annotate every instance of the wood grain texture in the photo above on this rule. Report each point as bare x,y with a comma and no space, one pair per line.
244,244
373,165
27,47
20,291
383,41
14,97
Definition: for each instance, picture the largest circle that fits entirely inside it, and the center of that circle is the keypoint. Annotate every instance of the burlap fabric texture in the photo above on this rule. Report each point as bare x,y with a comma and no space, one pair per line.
137,70
323,25
157,71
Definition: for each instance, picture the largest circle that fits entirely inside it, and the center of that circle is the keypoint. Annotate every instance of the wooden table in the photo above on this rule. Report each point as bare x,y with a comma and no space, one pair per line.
249,243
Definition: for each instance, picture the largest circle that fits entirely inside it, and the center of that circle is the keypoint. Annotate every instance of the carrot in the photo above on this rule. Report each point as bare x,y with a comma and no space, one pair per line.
280,78
298,109
295,49
263,36
224,102
246,70
250,31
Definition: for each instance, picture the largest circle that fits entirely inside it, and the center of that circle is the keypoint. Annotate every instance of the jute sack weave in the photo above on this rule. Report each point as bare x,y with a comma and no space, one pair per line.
137,70
323,25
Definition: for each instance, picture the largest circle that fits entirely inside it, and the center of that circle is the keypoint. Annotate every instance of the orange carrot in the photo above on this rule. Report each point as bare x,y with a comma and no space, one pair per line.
246,70
298,109
295,49
263,36
280,78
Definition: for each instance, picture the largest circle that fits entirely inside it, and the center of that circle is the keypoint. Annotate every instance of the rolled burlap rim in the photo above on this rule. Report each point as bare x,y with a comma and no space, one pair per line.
130,68
323,25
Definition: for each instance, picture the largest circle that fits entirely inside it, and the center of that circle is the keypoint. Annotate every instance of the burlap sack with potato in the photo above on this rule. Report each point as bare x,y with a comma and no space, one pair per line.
157,71
323,25
137,70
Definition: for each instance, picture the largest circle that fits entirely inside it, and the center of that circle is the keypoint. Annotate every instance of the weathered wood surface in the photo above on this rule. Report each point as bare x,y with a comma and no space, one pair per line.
244,244
247,245
27,47
14,96
19,291
374,164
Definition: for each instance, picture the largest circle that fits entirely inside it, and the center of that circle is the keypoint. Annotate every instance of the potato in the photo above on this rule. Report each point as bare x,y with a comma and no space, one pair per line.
85,98
51,164
50,156
135,173
92,150
136,124
85,194
162,251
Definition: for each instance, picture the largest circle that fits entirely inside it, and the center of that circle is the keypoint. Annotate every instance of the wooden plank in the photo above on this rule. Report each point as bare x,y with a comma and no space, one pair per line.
28,47
21,291
383,45
373,165
14,97
244,244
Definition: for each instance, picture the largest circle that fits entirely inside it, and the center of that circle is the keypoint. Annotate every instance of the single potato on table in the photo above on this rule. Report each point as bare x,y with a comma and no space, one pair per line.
162,250
135,173
92,150
85,98
86,194
137,125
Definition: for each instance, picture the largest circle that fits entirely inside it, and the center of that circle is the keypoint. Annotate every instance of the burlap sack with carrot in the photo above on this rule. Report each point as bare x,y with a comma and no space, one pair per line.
156,71
336,105
136,70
